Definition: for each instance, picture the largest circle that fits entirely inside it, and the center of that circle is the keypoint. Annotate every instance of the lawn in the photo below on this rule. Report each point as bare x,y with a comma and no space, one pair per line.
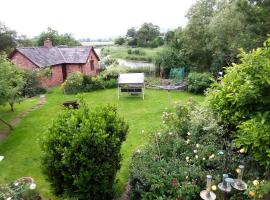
122,53
22,148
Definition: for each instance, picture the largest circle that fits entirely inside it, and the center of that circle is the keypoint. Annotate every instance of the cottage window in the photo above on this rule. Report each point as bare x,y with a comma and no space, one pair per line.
81,68
92,65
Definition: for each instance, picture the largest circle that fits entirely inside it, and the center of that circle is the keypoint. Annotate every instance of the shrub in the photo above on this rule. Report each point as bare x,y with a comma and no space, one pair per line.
91,83
199,82
120,41
175,163
112,72
112,83
82,152
32,85
73,84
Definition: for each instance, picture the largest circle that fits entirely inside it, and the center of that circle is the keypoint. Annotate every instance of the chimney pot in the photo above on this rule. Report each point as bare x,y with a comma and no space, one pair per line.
48,43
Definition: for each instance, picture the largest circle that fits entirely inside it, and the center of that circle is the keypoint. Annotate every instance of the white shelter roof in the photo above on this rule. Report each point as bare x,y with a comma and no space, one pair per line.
131,78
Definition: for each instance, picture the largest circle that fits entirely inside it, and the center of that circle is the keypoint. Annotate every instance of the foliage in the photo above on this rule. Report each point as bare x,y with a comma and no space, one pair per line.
73,84
11,82
112,72
91,83
171,58
136,52
82,151
32,85
244,90
7,39
107,61
56,38
209,40
131,32
253,135
175,163
119,41
258,190
18,190
148,36
198,83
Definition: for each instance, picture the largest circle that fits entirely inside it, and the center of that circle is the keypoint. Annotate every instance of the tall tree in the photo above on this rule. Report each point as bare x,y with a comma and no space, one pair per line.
57,39
147,34
7,39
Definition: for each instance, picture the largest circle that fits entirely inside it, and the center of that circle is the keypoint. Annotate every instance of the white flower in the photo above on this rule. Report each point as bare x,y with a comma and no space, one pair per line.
203,158
197,145
9,198
195,151
196,156
187,141
138,151
142,131
187,158
1,158
188,133
186,177
163,122
16,184
33,186
170,133
158,133
212,156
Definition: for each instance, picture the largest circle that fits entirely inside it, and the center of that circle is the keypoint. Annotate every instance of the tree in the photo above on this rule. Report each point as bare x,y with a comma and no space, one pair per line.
146,34
7,39
56,38
11,82
119,41
82,152
131,32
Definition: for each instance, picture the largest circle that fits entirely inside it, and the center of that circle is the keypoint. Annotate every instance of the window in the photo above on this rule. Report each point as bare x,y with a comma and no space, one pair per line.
92,65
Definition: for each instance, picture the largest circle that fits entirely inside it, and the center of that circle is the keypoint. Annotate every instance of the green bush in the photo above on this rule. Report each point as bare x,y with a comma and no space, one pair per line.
112,72
73,84
198,83
175,163
32,84
91,83
112,83
82,152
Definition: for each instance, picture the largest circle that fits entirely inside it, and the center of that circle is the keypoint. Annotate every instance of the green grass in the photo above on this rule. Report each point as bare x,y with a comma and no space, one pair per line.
22,148
122,53
25,105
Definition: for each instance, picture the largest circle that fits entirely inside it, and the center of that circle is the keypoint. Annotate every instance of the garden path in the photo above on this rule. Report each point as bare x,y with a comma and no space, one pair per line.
5,131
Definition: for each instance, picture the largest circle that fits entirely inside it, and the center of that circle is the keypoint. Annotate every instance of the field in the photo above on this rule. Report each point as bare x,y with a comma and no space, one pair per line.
122,53
22,147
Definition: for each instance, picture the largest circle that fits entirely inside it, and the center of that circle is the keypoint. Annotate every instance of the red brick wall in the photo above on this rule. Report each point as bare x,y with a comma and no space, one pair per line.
55,79
87,66
22,62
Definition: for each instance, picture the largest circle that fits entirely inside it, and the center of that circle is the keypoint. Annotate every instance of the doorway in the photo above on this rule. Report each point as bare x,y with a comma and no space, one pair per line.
64,72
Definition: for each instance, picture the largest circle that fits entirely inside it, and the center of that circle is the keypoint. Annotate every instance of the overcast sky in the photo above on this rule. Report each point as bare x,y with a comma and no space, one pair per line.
91,18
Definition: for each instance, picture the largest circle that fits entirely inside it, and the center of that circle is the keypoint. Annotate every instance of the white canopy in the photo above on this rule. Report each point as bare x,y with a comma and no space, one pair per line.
131,78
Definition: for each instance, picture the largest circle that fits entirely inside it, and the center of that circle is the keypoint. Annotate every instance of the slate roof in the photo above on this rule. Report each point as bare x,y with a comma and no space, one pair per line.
43,56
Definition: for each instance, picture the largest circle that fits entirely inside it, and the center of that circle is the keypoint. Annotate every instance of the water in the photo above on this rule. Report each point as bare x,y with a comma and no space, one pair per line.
135,64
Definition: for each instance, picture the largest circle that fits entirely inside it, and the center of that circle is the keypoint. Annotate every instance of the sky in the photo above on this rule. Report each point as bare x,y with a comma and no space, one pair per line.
91,18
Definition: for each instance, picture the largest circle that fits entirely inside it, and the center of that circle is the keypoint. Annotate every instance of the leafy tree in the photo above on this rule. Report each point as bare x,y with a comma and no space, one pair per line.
7,39
11,82
119,41
146,34
131,32
82,152
56,38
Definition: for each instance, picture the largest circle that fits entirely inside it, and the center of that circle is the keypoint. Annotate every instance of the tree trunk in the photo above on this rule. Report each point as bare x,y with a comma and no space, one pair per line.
6,123
11,106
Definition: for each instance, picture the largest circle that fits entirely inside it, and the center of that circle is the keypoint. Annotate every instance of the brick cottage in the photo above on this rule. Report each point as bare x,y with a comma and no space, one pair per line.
61,60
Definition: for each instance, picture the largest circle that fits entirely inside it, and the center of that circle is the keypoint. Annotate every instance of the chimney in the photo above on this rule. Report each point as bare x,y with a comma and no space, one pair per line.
48,43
